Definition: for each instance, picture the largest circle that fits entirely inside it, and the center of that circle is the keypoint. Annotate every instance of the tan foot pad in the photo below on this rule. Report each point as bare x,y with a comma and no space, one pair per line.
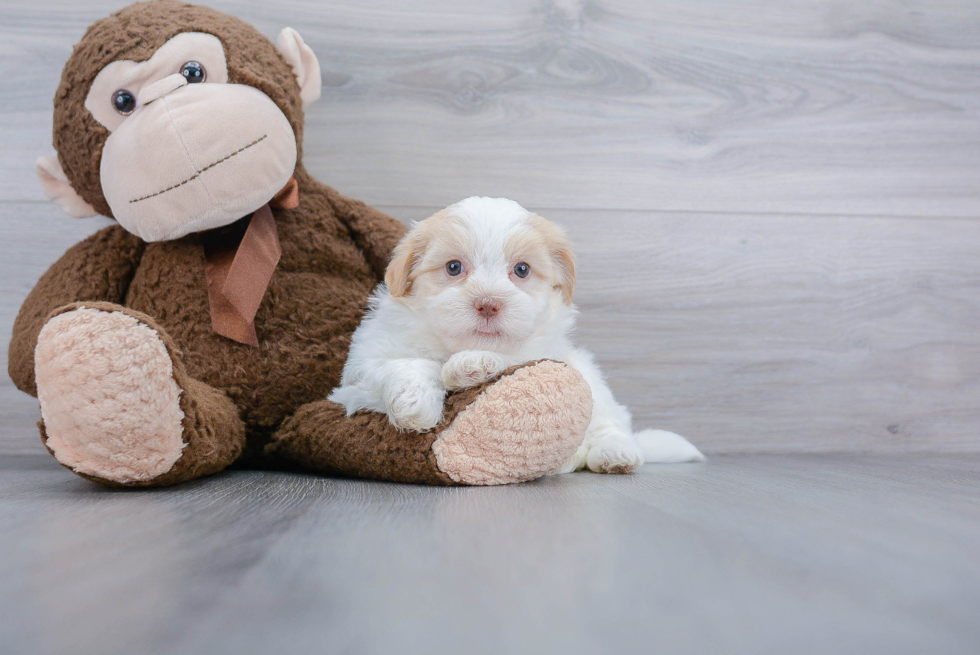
109,401
523,426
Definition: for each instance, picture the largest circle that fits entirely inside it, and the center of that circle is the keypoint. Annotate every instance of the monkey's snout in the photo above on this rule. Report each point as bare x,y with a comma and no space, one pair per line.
219,152
160,88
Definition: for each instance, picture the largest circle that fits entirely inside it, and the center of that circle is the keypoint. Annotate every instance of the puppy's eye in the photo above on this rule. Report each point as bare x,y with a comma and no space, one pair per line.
522,270
193,72
124,102
454,268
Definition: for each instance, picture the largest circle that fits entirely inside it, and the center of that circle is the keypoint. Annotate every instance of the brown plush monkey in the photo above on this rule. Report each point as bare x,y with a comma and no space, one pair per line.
207,328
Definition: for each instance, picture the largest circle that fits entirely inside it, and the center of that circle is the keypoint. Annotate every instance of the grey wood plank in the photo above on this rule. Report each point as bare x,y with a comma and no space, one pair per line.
744,554
864,108
746,334
779,333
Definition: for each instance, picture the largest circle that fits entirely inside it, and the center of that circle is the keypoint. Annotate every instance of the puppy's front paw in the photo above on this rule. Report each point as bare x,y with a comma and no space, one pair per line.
415,407
468,368
616,454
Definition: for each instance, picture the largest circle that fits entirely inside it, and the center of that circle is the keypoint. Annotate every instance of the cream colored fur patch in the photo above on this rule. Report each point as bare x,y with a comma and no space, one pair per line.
539,415
109,401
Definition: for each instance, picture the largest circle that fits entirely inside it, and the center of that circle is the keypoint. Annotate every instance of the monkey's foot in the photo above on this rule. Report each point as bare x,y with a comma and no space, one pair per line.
524,424
113,400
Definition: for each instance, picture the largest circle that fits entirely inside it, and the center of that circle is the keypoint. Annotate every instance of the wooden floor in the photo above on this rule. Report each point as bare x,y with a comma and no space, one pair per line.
744,554
776,209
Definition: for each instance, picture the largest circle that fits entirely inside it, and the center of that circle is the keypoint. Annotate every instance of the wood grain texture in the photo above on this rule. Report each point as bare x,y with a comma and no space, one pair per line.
775,205
743,554
779,333
864,108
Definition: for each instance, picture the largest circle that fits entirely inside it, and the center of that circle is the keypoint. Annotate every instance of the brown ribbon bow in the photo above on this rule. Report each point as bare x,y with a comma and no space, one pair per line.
239,260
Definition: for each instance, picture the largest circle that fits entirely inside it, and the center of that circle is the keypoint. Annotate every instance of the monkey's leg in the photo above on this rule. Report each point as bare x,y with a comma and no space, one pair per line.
524,424
117,406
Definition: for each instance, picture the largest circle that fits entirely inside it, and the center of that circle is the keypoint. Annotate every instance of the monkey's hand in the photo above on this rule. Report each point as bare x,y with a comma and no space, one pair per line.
97,269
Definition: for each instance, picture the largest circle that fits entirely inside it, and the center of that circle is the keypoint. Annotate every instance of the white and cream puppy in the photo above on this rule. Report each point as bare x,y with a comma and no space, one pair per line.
475,288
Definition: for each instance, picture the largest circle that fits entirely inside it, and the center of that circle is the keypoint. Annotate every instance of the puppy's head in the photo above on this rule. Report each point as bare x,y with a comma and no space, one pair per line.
484,273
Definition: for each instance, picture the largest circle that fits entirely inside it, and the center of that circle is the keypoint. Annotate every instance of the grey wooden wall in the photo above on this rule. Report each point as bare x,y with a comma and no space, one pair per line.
776,203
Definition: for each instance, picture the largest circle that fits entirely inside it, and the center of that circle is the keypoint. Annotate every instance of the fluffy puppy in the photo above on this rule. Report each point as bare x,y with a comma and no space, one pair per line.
475,288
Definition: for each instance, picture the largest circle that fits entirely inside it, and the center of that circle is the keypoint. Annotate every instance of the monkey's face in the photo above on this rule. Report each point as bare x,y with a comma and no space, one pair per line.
187,151
189,132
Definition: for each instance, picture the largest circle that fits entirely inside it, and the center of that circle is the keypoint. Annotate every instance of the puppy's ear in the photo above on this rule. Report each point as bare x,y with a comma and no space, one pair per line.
407,254
562,256
566,263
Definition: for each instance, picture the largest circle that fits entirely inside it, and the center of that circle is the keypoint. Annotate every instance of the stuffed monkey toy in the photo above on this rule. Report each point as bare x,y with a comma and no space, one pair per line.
207,326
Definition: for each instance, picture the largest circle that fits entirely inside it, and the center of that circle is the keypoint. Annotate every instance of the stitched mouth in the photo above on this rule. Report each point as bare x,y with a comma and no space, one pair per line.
198,173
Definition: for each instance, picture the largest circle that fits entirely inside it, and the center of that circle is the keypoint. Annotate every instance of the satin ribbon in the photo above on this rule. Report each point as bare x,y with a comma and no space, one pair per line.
239,261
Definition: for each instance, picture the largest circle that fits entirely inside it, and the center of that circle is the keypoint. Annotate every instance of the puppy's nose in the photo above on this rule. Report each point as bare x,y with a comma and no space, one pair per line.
488,307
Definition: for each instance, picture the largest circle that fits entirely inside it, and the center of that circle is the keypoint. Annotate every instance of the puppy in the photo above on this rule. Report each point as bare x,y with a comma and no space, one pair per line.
473,289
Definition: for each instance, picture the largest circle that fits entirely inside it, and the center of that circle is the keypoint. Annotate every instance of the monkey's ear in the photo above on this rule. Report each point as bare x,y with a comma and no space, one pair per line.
305,65
57,187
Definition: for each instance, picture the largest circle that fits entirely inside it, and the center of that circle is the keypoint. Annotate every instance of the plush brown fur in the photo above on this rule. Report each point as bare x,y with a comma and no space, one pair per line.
99,268
334,251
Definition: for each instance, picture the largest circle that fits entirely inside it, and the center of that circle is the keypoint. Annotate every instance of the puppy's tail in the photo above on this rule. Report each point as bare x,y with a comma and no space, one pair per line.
662,447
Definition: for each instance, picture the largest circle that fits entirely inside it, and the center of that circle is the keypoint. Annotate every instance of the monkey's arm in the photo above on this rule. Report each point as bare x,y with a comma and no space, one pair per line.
375,233
99,268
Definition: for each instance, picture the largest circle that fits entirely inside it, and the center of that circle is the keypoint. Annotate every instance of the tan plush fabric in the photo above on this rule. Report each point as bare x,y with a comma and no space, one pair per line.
55,185
538,415
304,63
108,397
193,180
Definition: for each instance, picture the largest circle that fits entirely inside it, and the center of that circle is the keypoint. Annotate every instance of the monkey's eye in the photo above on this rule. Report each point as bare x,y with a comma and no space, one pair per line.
522,270
193,72
124,102
454,268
